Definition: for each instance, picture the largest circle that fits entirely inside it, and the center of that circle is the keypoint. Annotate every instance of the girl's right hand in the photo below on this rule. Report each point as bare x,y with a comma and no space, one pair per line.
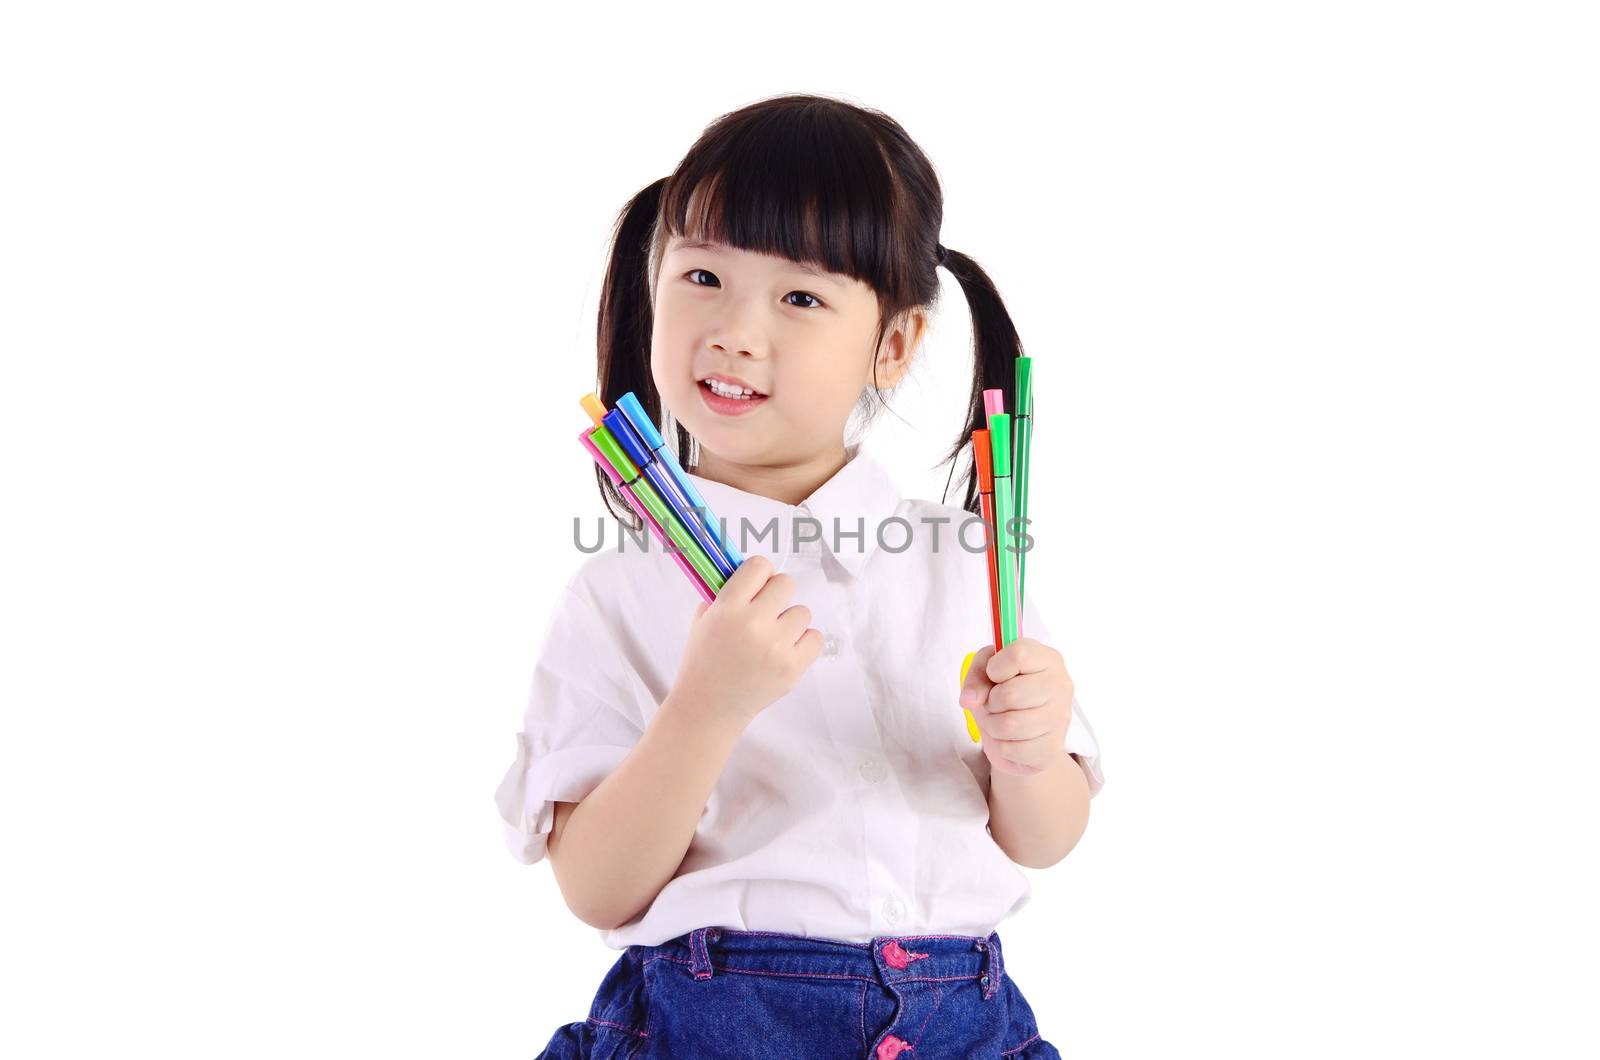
745,650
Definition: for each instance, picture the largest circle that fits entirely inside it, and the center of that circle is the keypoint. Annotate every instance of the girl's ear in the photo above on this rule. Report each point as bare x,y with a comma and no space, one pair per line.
900,344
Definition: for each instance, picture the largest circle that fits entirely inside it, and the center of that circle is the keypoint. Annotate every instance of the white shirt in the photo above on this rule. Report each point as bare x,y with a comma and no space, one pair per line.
853,807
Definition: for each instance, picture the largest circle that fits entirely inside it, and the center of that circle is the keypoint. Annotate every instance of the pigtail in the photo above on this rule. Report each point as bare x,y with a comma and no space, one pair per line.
996,347
625,322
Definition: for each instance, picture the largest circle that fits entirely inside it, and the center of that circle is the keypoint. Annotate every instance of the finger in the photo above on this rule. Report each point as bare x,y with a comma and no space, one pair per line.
975,689
776,594
795,621
1022,692
810,644
1013,725
747,580
1022,656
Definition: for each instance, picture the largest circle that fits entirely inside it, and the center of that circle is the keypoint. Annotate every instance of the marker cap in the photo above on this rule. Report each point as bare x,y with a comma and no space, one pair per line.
599,457
994,402
623,432
1024,386
609,448
1000,443
983,460
641,423
592,406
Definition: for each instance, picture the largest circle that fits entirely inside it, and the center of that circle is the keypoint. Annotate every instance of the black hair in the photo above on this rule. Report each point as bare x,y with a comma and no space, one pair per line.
819,181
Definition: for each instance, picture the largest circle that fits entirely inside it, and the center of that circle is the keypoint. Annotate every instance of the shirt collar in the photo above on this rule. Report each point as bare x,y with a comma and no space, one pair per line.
860,496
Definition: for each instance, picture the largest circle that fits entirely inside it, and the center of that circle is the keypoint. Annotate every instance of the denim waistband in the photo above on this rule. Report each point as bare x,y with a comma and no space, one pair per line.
889,959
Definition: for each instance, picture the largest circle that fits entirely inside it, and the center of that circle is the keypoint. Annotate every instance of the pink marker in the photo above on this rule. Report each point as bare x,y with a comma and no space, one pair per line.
661,538
994,403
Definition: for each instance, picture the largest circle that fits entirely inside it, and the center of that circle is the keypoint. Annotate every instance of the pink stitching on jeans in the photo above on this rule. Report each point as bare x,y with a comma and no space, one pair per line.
898,958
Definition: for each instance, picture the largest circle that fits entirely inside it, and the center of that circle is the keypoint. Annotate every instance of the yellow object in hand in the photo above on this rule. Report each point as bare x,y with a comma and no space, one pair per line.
972,725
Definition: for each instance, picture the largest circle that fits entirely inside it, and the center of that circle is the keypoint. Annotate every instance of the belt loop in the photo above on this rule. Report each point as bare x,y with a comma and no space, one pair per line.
700,951
993,965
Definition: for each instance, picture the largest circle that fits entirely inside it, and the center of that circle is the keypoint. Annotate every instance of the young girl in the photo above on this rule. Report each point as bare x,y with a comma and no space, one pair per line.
771,804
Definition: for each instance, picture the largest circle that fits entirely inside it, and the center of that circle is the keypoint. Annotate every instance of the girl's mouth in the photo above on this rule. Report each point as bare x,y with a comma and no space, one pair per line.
728,406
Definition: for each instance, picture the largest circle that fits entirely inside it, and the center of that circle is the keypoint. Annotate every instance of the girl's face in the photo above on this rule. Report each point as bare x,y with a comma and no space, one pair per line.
801,339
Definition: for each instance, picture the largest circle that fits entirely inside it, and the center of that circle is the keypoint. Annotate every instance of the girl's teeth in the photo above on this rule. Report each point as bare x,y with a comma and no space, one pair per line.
729,392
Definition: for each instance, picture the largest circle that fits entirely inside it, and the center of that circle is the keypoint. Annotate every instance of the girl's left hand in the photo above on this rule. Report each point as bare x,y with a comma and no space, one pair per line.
1021,698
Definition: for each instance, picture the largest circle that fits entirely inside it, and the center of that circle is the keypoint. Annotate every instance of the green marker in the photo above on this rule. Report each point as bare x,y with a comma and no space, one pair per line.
1006,538
637,485
1023,424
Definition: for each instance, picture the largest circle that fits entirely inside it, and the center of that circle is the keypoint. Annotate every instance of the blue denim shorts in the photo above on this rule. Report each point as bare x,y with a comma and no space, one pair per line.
715,993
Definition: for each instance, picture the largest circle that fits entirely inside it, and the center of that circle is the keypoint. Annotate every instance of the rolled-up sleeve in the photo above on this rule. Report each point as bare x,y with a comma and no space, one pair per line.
1082,745
1081,742
584,714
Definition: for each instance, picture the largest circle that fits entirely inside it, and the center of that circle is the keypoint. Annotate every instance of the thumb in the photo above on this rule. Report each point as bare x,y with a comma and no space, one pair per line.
975,689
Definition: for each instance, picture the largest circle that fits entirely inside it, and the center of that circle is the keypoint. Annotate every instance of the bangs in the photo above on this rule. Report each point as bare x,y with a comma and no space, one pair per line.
803,186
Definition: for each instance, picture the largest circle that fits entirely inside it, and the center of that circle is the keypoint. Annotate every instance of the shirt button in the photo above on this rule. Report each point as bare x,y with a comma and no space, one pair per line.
830,644
894,910
873,770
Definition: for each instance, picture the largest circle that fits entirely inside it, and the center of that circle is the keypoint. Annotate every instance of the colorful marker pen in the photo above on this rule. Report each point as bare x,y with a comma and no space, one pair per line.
632,482
1000,443
658,447
1022,424
622,430
972,725
649,520
591,405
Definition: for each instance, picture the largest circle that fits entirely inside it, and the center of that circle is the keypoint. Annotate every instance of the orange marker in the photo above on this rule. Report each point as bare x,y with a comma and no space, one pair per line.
591,405
983,461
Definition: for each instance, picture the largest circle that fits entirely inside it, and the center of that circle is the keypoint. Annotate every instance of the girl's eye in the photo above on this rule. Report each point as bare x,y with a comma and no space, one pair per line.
816,303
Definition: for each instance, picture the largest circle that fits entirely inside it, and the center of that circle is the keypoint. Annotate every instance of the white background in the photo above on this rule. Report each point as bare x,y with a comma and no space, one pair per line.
297,302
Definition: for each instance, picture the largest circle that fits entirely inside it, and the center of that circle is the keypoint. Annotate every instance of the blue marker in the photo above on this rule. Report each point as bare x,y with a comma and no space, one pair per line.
658,447
634,446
